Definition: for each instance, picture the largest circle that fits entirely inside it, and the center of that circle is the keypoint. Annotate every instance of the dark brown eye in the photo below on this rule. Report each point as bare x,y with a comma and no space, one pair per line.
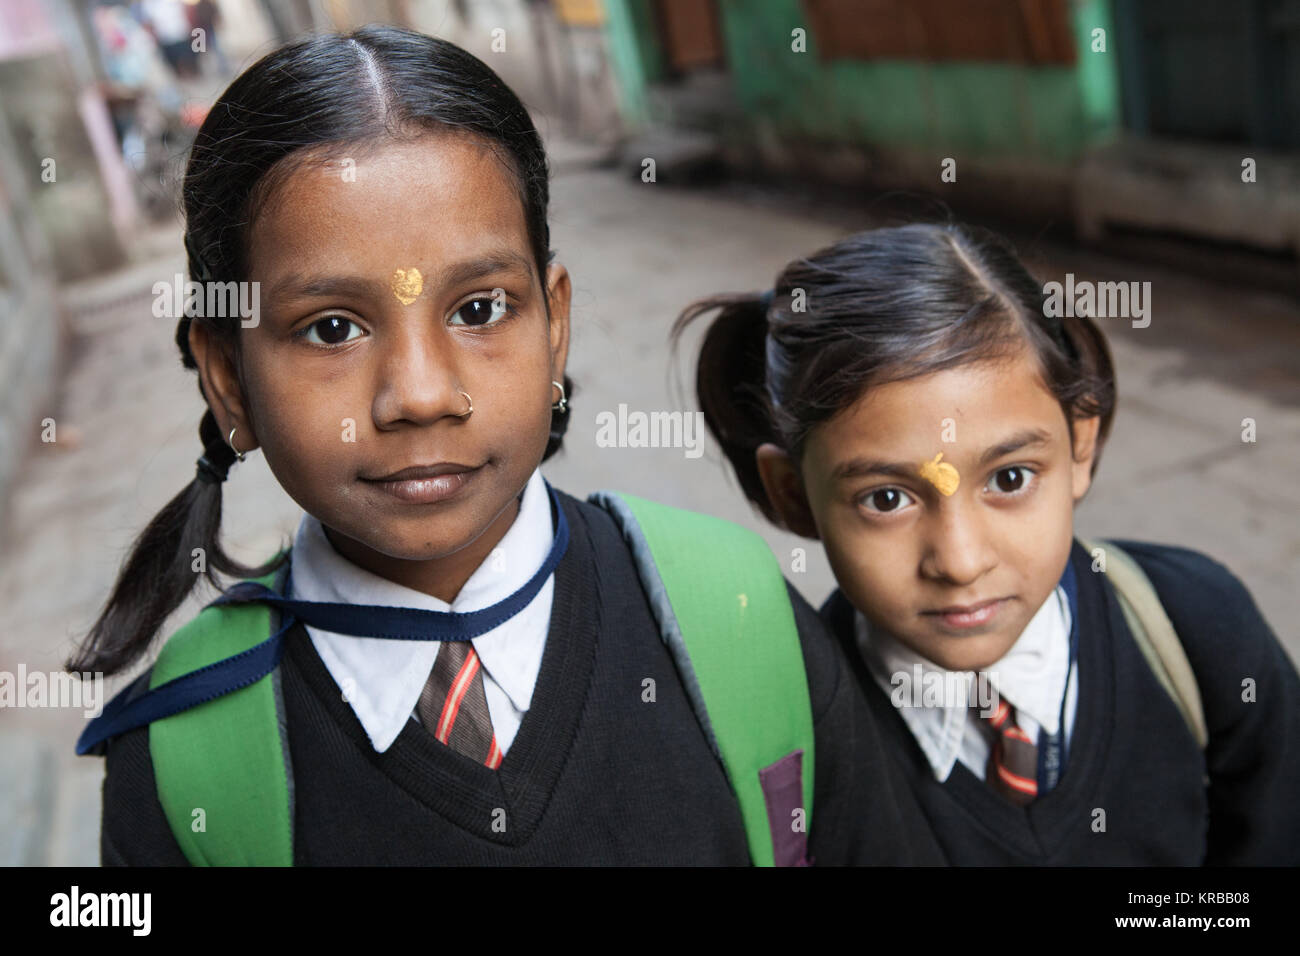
331,330
886,500
480,312
1010,480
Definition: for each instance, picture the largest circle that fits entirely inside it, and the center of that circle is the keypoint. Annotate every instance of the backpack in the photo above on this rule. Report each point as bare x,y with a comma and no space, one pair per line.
1153,633
717,595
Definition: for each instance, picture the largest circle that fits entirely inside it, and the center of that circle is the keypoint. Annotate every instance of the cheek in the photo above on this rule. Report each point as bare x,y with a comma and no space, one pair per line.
871,569
1053,512
509,384
512,390
1037,545
1059,525
301,425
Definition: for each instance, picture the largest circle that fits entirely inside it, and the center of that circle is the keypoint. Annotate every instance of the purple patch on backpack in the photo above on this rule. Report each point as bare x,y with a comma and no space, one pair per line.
782,785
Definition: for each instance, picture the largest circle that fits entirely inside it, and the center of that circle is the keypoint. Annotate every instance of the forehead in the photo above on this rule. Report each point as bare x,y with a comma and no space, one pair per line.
981,402
434,199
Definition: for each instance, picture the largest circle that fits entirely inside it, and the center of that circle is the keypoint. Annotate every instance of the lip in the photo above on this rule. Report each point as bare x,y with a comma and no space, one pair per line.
423,471
959,617
425,484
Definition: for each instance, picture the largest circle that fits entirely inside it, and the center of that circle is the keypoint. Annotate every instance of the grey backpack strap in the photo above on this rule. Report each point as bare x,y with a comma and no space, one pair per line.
1154,634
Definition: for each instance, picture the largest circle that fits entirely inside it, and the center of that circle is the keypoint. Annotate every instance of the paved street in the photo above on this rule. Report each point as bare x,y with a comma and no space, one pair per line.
1176,470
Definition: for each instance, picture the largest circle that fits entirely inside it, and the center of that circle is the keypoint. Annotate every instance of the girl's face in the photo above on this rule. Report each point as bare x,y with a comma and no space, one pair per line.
343,382
955,576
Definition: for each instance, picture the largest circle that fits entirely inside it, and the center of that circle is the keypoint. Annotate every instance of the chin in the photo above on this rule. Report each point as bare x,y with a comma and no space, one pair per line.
974,654
416,550
404,544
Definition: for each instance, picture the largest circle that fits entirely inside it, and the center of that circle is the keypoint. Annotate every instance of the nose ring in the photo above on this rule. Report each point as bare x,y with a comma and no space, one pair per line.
469,411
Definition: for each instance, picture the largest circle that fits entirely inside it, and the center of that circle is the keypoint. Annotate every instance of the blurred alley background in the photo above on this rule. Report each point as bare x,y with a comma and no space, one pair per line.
1114,140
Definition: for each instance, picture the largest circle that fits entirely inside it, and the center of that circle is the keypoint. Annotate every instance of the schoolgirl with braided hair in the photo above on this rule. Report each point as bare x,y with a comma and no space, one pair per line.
454,663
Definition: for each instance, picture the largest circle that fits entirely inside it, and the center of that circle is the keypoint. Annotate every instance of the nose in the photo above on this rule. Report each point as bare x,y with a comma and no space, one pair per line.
957,549
417,378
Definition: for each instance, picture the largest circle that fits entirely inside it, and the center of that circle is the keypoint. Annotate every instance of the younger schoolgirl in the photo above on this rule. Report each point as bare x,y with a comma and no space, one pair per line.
906,398
467,666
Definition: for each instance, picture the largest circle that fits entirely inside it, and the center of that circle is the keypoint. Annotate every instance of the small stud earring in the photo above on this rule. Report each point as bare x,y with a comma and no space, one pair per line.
231,442
563,404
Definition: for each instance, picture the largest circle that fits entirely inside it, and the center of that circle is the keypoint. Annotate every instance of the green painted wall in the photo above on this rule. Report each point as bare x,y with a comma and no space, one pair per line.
983,109
627,33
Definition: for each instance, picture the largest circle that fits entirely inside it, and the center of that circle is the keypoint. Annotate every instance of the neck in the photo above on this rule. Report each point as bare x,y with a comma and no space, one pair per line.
440,577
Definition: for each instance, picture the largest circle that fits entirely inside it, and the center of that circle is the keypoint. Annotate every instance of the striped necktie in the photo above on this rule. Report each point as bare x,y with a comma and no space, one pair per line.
453,705
1013,762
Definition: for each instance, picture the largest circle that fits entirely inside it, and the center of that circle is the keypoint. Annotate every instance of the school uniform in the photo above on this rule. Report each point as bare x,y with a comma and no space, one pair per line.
1035,677
384,679
1132,789
593,771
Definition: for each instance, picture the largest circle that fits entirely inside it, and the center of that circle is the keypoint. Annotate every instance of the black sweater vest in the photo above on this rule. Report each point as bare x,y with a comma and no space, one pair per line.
596,775
1134,788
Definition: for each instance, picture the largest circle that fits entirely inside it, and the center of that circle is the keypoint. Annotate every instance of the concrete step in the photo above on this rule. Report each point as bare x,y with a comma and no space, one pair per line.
1192,189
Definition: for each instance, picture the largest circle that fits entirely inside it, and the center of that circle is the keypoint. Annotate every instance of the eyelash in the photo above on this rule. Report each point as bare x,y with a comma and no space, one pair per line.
1023,490
877,491
510,311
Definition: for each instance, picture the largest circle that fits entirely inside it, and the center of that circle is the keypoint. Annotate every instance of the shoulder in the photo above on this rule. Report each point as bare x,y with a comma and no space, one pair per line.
592,522
1192,576
581,509
1219,626
1251,696
1205,601
619,523
134,829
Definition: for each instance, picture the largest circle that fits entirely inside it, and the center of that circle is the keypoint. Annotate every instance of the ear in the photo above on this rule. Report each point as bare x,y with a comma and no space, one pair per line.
784,487
1084,448
221,385
559,292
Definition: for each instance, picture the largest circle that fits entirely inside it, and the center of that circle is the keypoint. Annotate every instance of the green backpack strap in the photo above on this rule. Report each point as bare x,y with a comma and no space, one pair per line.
722,607
1154,634
222,767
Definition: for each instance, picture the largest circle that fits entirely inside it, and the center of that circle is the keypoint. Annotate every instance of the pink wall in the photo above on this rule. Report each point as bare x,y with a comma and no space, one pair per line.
26,29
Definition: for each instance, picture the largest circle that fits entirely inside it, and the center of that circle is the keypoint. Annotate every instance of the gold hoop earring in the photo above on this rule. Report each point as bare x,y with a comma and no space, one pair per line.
231,442
469,411
563,404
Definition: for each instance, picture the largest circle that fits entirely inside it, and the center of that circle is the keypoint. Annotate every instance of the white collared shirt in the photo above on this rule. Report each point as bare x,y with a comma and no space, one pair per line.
1031,677
382,679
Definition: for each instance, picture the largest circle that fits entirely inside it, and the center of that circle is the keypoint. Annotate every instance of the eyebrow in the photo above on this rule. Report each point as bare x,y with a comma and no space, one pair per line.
1029,438
296,285
864,467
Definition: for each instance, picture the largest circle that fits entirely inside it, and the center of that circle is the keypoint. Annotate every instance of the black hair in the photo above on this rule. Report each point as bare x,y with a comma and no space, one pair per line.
883,305
311,99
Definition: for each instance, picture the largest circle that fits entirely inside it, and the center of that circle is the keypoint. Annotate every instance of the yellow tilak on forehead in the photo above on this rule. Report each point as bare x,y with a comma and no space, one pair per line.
942,475
407,285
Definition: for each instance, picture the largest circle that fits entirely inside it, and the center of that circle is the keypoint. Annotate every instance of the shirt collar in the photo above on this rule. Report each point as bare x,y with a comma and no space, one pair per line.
1031,676
382,679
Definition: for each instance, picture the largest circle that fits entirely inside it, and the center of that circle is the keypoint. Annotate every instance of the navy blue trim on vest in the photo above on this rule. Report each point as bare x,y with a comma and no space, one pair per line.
359,620
1053,749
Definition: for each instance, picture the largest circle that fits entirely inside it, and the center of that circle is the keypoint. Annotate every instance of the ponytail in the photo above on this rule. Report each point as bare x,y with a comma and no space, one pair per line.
730,382
1093,378
159,573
